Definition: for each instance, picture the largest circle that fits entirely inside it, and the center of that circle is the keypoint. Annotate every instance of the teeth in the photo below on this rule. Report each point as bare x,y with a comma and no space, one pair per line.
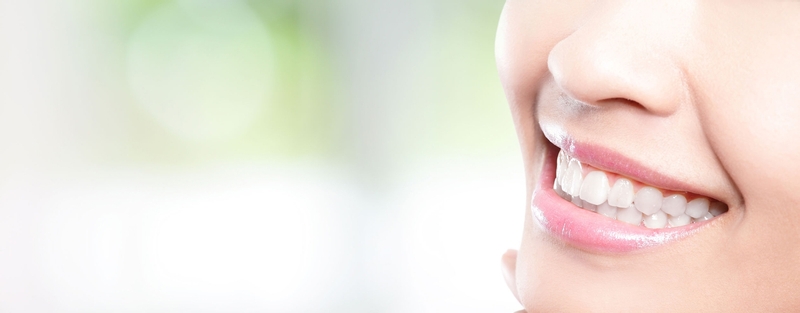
589,207
674,205
647,206
656,220
697,208
648,200
561,192
573,178
607,210
621,195
577,201
680,220
561,167
595,188
630,215
703,218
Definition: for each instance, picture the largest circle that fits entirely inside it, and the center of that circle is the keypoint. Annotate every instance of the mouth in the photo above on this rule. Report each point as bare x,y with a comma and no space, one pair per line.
599,210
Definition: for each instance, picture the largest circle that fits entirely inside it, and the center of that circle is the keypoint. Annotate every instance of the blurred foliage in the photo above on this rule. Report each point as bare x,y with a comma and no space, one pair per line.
297,120
458,107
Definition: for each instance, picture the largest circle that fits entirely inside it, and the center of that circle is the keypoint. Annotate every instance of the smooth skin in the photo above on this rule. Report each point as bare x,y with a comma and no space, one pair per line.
705,91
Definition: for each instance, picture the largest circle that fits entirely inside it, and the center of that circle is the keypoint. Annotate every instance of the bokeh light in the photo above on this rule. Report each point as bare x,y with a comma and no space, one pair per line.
202,68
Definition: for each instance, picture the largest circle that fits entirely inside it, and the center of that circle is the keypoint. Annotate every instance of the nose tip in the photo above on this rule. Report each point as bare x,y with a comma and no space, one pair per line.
609,61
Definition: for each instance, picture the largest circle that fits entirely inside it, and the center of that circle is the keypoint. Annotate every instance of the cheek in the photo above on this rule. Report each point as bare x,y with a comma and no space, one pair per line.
751,116
755,134
748,99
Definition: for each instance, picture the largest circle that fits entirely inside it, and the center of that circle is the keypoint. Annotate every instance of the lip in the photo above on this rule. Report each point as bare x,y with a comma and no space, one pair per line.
609,160
590,231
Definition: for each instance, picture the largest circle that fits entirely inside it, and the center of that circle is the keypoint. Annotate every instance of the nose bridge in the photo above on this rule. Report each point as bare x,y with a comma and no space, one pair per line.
625,50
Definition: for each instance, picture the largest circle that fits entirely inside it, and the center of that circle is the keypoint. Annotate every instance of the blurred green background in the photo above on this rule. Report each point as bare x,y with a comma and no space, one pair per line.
254,156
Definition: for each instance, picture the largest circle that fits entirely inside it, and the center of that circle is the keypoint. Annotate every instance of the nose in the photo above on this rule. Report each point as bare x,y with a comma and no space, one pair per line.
627,52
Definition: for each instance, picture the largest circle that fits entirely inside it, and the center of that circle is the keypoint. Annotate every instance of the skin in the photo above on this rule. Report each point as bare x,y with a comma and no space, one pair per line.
707,92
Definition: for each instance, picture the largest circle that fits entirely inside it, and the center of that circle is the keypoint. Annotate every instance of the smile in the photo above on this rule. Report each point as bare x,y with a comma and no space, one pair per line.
602,211
627,200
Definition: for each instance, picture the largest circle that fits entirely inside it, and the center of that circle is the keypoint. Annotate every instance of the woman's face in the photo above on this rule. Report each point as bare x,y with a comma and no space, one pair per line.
689,98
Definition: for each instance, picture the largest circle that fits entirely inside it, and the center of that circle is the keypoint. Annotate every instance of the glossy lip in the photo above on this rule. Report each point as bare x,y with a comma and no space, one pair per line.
611,161
590,231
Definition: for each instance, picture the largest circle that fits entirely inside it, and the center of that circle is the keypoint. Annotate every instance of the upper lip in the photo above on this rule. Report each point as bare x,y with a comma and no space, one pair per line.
609,160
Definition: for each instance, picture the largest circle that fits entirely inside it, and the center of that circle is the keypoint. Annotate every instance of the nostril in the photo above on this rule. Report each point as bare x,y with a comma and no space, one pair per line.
622,101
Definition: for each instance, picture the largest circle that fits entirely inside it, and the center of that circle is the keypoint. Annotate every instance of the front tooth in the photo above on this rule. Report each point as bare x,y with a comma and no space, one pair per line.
630,215
674,205
716,208
697,207
680,220
595,188
656,220
589,206
573,178
607,210
648,200
621,195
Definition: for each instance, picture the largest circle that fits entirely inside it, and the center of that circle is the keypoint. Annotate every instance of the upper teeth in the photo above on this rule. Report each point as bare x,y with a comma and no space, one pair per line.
648,206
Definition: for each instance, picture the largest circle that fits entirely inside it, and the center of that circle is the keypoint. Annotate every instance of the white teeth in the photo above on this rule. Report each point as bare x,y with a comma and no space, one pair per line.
621,195
674,205
561,167
647,206
656,220
595,188
561,193
680,220
716,208
648,200
697,207
573,178
703,218
577,201
630,215
607,210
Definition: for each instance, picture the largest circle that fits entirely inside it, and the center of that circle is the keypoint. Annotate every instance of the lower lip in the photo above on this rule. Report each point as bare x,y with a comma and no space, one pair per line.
590,231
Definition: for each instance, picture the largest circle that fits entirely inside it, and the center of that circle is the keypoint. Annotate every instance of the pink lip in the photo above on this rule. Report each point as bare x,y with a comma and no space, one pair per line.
611,161
590,231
